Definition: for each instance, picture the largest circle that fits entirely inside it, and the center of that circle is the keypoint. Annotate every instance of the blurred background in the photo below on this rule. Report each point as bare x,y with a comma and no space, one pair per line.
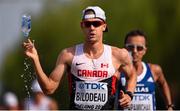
56,25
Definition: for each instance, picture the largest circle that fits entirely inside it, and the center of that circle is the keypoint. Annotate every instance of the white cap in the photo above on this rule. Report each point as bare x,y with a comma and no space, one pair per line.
36,87
10,99
98,13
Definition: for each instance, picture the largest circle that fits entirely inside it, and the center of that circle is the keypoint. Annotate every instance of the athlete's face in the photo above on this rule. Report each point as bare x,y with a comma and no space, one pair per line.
93,29
136,45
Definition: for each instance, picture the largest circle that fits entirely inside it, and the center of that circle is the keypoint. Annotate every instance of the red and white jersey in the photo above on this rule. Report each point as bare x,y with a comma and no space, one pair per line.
92,81
88,69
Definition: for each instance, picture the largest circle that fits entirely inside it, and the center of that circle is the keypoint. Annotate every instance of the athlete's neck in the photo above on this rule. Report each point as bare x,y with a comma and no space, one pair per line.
93,51
138,67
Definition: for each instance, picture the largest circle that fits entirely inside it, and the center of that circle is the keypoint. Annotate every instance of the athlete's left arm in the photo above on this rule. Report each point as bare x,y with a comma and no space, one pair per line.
160,79
125,66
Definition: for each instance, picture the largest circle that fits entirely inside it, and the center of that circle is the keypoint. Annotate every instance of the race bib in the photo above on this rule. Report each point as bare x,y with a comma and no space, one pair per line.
91,95
141,102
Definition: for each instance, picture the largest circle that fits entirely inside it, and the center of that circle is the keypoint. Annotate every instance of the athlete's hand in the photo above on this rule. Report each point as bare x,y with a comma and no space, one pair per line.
124,100
30,50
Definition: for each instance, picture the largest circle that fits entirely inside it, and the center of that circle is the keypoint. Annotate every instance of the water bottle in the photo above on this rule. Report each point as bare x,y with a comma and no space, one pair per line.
26,25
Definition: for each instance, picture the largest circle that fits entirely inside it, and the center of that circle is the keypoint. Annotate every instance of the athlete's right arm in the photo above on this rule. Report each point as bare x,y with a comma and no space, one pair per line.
48,84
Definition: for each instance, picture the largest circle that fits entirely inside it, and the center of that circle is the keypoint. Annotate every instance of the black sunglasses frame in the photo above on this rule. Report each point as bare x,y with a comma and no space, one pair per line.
96,24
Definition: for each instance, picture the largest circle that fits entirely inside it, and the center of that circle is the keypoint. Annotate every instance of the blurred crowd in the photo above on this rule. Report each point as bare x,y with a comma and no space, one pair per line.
38,101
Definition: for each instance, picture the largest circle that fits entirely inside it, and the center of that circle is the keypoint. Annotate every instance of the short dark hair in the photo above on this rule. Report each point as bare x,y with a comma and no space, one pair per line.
135,32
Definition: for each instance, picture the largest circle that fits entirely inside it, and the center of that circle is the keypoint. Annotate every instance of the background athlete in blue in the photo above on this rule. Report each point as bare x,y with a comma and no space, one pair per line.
147,75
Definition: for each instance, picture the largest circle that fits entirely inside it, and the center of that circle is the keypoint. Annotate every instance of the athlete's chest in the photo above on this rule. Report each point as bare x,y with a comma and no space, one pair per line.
97,69
92,68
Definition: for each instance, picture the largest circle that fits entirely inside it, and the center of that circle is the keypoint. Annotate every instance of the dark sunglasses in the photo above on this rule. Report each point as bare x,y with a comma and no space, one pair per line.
88,24
131,47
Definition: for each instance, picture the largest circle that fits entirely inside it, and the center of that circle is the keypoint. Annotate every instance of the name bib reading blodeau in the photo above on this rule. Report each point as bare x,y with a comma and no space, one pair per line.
91,95
142,102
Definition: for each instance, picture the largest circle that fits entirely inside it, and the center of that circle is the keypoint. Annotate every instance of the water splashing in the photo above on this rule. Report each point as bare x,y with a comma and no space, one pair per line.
28,76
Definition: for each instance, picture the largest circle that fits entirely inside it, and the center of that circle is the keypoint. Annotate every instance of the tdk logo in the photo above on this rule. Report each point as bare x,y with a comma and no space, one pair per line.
142,97
91,86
